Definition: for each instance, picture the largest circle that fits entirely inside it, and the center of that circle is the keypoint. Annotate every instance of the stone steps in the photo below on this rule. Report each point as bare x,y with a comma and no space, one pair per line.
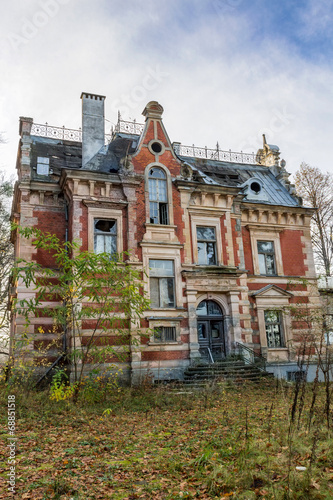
236,371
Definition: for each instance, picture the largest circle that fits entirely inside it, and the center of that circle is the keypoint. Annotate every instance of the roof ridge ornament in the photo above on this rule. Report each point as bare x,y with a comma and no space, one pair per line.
153,110
269,155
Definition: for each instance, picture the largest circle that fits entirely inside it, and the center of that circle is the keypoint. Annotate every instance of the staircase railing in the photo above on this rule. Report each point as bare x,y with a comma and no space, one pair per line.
249,356
210,355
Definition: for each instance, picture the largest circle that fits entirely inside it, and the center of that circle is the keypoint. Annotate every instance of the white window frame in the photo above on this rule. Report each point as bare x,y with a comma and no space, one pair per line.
169,193
280,323
106,236
268,301
267,253
206,242
43,162
158,252
266,234
206,221
163,277
107,214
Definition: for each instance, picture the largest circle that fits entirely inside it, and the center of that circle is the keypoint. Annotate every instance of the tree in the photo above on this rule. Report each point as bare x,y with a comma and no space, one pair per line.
95,302
316,189
6,260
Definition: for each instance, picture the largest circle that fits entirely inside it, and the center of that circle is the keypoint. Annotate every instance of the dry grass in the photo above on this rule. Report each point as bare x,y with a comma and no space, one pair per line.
224,442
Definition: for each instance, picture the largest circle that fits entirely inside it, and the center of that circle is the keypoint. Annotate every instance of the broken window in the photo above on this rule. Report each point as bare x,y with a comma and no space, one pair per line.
162,283
158,197
273,323
43,165
206,245
105,236
266,257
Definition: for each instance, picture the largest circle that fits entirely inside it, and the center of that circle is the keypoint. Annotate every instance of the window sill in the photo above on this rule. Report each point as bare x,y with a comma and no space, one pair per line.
268,275
151,224
164,343
157,309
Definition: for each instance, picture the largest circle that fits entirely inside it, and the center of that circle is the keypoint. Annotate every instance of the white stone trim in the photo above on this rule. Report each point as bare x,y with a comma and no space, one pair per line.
268,302
150,143
164,253
108,214
172,323
206,221
169,190
222,301
266,234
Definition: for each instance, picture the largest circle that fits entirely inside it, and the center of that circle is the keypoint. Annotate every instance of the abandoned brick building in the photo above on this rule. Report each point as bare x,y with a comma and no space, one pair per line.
221,235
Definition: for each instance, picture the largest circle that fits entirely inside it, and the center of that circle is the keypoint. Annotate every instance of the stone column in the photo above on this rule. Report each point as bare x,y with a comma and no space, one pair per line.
192,324
236,330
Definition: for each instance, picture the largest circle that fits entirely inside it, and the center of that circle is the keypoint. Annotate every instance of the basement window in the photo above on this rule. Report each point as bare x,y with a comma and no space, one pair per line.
165,334
43,165
296,376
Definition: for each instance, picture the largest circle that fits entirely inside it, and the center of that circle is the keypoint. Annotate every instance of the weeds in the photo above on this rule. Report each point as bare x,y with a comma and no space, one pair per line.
232,442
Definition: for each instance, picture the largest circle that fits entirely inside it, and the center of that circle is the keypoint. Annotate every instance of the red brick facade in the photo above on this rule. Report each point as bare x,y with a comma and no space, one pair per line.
231,241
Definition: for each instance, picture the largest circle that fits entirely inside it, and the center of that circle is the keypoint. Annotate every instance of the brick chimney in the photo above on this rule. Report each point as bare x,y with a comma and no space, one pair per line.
92,125
25,125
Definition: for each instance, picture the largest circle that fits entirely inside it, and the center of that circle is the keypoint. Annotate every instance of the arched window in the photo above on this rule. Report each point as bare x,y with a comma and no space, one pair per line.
158,196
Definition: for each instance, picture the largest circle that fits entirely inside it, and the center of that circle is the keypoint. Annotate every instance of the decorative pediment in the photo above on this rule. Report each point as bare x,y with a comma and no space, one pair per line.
271,291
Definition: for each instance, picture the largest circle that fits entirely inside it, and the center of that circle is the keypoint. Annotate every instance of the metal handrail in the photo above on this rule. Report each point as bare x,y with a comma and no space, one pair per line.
210,355
129,127
249,356
45,374
132,127
216,154
63,133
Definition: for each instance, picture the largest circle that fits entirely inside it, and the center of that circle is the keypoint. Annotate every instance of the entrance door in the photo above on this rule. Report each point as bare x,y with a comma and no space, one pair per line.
210,330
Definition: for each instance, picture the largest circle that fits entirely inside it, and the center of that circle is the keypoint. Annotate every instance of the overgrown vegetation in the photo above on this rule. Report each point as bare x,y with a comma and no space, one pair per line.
224,442
82,306
6,261
316,189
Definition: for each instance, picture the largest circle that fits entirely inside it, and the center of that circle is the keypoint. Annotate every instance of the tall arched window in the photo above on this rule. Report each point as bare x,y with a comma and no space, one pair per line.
158,196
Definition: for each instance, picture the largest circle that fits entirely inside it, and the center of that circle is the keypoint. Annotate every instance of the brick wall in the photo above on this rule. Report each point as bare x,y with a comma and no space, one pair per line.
292,253
247,250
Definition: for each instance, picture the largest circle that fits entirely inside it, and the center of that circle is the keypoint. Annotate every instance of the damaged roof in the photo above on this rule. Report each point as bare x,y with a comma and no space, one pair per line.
61,153
257,183
68,154
108,157
268,190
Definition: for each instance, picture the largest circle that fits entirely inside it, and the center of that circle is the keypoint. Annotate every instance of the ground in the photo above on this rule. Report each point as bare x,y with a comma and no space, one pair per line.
227,441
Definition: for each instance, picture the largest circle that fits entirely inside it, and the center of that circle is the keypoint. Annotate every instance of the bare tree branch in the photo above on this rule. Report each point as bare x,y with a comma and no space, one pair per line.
316,189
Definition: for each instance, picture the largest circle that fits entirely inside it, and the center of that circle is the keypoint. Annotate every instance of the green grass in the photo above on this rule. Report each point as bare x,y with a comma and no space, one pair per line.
225,442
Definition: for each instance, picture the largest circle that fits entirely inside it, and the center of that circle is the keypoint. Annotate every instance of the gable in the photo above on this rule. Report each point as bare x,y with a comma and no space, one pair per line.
271,291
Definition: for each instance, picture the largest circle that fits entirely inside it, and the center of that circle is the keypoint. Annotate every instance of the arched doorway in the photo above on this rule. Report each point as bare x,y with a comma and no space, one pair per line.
210,330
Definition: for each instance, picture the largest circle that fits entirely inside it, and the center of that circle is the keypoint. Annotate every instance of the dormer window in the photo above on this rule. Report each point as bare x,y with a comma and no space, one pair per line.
43,165
158,196
255,186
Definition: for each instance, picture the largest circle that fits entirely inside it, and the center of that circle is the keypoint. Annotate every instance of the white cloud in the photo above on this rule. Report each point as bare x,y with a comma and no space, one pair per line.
216,79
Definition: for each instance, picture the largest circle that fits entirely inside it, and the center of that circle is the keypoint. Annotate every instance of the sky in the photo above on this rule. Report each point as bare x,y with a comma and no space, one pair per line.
225,71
